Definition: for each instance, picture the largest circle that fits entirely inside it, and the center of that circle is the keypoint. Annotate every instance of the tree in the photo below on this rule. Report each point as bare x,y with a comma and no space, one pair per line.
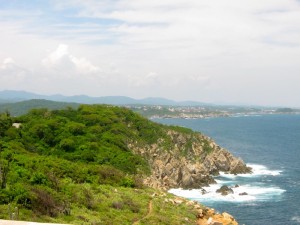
6,158
5,123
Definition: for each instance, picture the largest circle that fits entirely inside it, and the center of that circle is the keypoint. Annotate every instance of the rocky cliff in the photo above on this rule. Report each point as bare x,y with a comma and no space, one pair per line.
187,160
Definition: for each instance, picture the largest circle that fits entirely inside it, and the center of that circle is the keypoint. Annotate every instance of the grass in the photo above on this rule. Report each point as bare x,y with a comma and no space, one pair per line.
114,205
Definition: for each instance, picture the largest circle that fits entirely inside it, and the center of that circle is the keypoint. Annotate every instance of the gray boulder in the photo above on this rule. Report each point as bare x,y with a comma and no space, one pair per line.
225,190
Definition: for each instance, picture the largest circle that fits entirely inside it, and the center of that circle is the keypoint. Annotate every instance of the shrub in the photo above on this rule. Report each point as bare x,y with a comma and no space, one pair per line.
206,146
117,205
44,203
127,182
87,197
76,128
110,175
4,196
67,144
134,207
39,178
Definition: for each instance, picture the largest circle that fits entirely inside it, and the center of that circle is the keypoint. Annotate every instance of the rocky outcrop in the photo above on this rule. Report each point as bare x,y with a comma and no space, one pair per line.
225,190
204,215
210,217
223,160
186,161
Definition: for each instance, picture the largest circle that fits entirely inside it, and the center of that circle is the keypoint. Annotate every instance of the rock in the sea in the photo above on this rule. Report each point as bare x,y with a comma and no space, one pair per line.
203,191
243,193
225,190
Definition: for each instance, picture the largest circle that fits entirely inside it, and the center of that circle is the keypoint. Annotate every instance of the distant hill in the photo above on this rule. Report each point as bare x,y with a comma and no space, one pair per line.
17,96
4,101
21,108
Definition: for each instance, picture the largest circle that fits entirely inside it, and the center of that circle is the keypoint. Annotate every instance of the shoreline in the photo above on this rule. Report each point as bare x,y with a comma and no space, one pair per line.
186,116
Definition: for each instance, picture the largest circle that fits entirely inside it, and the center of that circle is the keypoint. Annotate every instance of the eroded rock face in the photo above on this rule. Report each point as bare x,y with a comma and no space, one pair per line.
189,163
223,160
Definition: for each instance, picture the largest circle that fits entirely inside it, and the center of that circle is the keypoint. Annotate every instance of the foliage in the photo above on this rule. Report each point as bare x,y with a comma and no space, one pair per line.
206,146
68,162
182,129
5,123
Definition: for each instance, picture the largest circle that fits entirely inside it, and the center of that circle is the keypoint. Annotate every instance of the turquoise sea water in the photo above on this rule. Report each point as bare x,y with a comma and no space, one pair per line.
271,145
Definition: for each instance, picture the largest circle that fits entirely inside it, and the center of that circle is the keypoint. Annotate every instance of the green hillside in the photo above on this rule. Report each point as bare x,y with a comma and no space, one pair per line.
74,166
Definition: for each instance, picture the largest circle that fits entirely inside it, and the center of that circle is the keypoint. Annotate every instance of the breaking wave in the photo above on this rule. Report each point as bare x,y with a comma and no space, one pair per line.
244,190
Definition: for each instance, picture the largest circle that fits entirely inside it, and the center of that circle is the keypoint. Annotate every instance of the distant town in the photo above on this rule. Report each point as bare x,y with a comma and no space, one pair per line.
20,102
198,112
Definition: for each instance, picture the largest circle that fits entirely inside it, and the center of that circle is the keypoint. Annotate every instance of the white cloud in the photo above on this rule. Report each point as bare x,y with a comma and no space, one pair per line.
10,71
201,22
200,50
63,61
11,74
149,79
7,64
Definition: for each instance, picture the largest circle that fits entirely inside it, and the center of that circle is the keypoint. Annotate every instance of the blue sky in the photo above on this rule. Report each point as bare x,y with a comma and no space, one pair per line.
231,52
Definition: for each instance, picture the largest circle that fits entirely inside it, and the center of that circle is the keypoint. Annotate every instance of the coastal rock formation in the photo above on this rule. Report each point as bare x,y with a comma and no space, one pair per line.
210,217
189,161
204,215
225,190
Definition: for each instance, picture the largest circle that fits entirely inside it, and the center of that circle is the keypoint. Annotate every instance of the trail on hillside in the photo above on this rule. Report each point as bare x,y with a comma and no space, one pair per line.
150,209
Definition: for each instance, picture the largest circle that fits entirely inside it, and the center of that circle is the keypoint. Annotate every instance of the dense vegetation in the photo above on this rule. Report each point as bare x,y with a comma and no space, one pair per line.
74,166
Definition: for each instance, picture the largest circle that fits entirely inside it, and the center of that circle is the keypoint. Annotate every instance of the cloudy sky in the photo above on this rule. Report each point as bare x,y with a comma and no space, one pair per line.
231,52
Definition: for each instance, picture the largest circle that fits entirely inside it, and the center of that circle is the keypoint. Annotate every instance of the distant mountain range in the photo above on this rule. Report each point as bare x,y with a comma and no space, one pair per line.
22,107
10,96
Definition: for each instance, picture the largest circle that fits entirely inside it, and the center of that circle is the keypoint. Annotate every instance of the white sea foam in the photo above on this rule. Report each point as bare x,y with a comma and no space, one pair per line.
260,170
228,175
253,191
257,170
296,218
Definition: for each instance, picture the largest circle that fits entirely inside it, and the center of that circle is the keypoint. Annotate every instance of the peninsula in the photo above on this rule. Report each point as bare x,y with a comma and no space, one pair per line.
101,164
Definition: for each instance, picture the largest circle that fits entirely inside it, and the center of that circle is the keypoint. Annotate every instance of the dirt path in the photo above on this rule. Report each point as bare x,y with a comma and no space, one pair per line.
150,209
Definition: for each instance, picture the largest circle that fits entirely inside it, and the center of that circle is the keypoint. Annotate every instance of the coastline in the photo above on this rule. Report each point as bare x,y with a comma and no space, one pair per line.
207,116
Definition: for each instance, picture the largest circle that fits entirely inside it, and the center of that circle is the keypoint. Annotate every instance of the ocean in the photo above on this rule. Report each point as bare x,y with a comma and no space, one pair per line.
270,144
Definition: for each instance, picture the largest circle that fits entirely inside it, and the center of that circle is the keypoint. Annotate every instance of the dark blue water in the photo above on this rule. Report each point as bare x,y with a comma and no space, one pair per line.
272,141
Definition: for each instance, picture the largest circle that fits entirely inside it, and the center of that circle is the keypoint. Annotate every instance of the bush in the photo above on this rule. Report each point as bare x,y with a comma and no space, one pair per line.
39,178
44,203
127,182
117,205
134,207
76,128
5,196
67,144
86,197
110,175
